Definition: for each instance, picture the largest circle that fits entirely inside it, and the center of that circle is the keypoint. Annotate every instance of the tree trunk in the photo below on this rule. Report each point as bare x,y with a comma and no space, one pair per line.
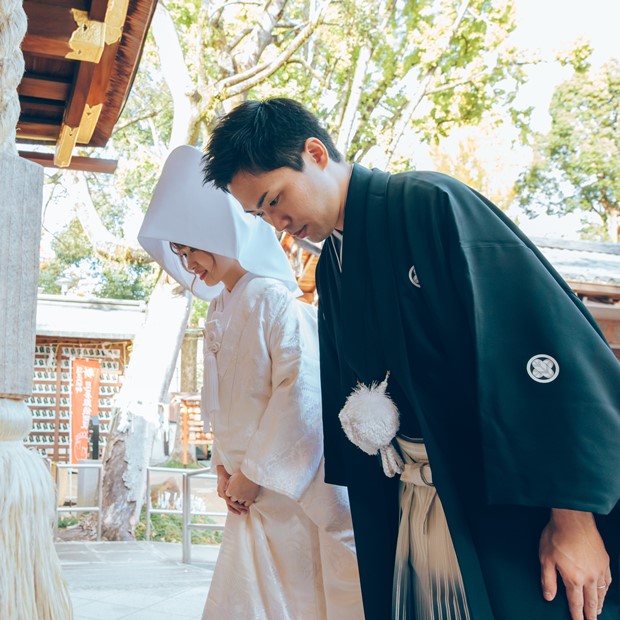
613,223
136,418
189,365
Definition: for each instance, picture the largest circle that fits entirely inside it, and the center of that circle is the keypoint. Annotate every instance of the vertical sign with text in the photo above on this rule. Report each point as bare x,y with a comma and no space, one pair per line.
85,376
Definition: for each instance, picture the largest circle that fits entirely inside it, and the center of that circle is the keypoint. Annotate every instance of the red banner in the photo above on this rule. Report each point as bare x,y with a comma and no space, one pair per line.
85,376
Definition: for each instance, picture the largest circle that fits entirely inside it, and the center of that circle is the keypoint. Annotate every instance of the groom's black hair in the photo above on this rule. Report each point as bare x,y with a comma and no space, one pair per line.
260,136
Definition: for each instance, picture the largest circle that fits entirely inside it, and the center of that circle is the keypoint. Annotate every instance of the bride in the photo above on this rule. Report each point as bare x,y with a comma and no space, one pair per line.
288,551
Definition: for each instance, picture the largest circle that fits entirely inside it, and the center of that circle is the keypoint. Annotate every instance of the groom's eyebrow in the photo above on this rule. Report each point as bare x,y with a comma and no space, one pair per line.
259,205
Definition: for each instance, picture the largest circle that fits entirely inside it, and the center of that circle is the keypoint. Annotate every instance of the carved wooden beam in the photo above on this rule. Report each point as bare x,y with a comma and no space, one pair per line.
74,111
63,32
91,83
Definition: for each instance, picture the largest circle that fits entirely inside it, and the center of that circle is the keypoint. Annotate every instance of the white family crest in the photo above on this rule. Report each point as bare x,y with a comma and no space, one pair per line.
543,368
413,276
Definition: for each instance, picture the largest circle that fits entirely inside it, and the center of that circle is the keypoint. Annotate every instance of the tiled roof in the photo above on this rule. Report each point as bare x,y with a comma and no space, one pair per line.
583,261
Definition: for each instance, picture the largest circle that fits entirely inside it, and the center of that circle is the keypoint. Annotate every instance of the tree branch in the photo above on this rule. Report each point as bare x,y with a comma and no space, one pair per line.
353,99
248,79
414,102
244,33
453,85
102,240
262,32
133,121
217,12
306,66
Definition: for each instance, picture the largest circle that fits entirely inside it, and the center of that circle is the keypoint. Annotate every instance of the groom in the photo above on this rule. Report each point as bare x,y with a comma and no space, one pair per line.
509,397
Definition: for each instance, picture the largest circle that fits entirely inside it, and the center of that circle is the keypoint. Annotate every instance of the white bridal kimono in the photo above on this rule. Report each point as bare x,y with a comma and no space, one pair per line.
292,556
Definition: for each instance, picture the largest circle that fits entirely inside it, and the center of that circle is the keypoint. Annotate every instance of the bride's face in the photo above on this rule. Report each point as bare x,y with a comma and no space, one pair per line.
210,268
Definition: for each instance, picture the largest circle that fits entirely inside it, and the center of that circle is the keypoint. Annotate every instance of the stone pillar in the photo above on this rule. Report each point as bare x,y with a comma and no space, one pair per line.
31,582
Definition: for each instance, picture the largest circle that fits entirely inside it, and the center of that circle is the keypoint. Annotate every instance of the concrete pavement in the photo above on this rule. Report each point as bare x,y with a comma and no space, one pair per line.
136,580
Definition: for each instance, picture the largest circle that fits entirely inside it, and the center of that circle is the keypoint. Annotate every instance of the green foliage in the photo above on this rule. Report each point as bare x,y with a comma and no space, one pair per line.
577,167
169,528
88,273
419,66
65,522
172,464
578,57
129,281
71,245
185,13
49,272
199,311
477,166
71,248
456,74
164,527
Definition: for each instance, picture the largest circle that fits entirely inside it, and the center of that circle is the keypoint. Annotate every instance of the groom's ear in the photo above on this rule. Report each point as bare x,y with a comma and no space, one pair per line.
317,151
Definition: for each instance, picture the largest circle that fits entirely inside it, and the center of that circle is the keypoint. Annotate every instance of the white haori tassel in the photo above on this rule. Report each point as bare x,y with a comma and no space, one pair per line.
211,386
370,421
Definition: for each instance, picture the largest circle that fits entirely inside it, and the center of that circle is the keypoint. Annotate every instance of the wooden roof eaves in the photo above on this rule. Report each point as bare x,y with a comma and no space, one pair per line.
124,68
101,86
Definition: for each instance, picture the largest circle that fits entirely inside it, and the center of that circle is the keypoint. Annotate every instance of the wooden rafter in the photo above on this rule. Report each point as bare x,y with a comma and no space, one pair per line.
44,108
87,164
30,129
39,87
592,290
74,111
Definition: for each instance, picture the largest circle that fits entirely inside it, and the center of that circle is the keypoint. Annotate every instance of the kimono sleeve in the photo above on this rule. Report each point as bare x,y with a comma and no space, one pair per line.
548,383
335,470
284,453
215,456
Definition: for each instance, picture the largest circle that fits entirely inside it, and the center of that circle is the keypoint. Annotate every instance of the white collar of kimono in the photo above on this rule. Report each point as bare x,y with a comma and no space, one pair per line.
184,210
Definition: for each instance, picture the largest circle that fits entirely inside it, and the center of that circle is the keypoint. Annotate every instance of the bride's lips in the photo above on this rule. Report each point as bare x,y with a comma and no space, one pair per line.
301,233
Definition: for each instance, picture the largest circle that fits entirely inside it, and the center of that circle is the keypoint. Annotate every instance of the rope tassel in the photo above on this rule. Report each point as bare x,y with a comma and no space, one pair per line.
31,581
370,420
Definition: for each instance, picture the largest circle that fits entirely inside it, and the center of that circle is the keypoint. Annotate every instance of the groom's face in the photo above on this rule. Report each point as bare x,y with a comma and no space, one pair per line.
304,203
